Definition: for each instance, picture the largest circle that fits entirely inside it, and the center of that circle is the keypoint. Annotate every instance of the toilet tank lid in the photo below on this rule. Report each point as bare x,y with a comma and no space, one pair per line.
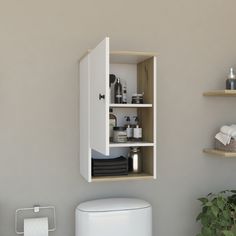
113,204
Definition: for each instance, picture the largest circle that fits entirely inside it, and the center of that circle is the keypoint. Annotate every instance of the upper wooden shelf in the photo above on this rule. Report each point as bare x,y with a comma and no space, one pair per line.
223,93
219,152
129,105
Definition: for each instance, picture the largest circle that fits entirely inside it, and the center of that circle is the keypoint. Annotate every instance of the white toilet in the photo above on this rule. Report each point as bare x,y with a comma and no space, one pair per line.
114,217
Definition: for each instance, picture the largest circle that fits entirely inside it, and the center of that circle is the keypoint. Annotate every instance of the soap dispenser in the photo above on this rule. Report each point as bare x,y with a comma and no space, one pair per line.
129,129
137,130
231,81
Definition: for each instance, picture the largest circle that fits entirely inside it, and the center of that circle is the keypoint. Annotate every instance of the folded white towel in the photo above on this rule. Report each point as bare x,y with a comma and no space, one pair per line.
223,138
226,130
226,133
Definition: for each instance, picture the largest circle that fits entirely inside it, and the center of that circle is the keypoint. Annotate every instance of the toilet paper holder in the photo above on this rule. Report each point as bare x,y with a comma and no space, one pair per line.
35,209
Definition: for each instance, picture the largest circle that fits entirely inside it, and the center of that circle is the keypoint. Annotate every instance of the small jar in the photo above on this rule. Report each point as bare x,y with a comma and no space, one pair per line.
119,135
137,99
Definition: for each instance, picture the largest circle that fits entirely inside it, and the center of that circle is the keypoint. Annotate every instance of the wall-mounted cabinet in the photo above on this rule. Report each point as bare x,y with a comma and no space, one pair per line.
138,69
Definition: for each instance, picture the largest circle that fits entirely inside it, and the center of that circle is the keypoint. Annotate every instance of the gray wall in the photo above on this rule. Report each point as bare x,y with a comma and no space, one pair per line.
40,43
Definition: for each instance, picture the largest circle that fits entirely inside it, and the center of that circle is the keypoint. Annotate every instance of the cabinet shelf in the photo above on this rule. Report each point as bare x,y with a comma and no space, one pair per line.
129,105
222,93
132,144
141,176
216,152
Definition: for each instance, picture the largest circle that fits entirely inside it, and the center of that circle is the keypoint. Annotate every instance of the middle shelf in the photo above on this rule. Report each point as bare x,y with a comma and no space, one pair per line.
132,144
129,105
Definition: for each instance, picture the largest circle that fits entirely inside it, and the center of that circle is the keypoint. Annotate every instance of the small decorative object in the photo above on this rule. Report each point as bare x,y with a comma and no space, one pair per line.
231,81
218,216
137,98
119,135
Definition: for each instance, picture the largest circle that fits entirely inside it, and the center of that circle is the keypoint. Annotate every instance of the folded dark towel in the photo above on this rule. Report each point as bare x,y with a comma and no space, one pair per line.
110,173
110,167
114,161
115,167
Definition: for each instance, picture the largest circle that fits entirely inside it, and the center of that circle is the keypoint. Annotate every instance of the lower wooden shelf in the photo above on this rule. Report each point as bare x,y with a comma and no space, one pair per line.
123,177
219,152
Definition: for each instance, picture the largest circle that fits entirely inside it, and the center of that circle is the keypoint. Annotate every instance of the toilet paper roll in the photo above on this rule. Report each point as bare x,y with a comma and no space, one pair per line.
36,227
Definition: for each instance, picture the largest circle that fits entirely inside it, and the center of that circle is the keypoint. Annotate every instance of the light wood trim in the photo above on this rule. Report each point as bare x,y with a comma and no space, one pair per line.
129,57
148,160
219,152
133,53
141,176
226,93
145,83
124,53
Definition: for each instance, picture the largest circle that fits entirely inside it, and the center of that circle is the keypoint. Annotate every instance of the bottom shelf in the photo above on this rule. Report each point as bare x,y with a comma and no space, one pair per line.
123,177
219,152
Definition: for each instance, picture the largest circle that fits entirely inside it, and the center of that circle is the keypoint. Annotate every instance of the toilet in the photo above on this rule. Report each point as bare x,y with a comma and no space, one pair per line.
114,217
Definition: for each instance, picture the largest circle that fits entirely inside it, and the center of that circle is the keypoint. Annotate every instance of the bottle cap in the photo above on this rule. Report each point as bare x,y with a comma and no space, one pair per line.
231,74
136,119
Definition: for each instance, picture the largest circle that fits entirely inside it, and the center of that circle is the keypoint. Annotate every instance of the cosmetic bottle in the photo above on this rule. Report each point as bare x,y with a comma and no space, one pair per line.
231,81
129,129
118,91
137,130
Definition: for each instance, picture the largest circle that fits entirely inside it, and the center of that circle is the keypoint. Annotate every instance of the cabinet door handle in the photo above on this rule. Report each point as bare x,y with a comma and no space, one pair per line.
101,96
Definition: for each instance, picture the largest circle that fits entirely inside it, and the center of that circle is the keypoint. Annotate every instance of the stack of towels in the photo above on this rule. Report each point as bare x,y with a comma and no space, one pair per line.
226,134
110,167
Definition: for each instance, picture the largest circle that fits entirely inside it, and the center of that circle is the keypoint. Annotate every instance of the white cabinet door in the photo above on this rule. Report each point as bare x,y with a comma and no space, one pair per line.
84,127
99,95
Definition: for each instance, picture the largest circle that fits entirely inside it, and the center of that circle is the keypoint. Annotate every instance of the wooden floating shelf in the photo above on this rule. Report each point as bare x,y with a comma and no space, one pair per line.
114,105
132,144
219,152
223,93
141,176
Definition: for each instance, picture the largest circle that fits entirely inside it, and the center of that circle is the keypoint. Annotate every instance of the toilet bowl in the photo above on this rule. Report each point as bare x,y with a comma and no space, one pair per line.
114,217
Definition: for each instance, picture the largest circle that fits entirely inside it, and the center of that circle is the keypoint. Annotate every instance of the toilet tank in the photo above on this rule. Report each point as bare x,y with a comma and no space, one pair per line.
114,217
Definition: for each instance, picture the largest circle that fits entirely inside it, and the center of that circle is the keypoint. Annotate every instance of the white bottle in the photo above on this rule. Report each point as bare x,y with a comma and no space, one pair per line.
129,129
137,130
